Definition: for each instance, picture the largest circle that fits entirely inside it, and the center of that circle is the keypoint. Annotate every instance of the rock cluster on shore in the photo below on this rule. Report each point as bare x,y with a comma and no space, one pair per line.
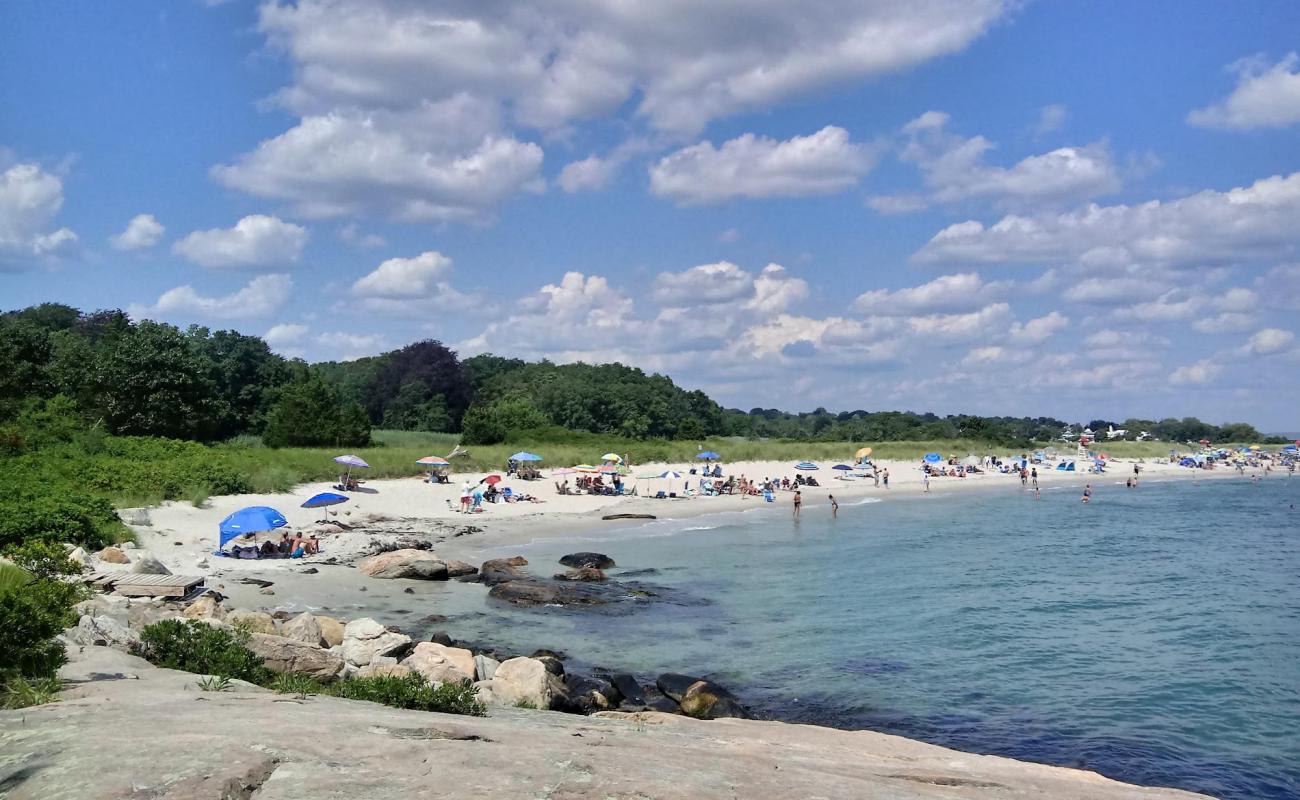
328,649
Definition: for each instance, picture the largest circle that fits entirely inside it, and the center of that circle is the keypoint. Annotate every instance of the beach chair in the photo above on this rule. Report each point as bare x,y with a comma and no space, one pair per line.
661,494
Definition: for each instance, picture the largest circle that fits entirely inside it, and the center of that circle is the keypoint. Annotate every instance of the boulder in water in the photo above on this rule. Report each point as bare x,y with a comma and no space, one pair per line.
707,700
502,570
413,564
581,574
597,560
674,684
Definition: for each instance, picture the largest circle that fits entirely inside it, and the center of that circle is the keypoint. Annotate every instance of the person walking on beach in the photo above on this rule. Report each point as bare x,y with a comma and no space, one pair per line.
886,477
1087,492
1024,478
465,492
1034,475
925,479
798,501
875,473
835,507
1135,474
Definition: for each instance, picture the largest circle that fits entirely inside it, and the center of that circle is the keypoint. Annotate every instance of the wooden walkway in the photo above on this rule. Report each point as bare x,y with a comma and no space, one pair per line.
131,584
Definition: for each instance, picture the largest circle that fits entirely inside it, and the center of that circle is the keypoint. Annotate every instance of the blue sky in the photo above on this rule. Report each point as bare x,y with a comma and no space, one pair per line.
1078,210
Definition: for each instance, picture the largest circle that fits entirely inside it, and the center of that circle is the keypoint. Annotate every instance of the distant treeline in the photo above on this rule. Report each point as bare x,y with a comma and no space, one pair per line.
152,379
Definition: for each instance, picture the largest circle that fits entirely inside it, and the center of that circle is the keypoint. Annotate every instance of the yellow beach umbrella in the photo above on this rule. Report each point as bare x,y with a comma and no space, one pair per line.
863,452
612,457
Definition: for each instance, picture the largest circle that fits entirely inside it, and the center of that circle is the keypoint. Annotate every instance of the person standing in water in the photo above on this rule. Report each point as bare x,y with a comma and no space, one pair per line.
835,506
886,477
798,501
1136,470
1087,492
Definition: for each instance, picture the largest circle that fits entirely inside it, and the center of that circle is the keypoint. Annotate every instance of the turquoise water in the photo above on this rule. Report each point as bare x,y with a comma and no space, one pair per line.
1153,635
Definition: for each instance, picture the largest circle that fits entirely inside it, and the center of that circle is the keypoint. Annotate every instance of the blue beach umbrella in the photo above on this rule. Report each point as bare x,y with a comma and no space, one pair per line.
250,520
844,467
709,454
806,466
325,499
933,458
524,455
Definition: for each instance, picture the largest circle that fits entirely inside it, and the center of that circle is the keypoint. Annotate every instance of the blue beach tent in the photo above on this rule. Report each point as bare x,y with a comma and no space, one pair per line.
253,519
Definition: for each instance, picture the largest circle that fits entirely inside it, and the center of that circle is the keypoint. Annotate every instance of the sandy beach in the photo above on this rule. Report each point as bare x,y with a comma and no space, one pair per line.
183,536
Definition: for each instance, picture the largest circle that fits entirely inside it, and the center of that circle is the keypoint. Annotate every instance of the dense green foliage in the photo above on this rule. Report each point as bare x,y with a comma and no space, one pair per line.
194,646
309,412
35,606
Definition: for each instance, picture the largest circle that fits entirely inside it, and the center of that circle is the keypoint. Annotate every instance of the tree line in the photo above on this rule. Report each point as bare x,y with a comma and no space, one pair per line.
152,379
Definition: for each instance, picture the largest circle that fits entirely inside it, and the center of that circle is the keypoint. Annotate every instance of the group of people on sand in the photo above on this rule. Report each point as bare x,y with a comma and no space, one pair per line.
473,495
591,484
295,547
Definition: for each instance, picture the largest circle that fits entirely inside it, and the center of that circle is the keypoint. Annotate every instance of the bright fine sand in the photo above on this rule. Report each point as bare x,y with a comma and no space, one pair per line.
183,537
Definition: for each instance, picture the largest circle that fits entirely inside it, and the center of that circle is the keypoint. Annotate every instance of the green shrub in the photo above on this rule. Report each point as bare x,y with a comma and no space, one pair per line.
413,692
35,606
271,479
300,685
20,692
198,647
198,495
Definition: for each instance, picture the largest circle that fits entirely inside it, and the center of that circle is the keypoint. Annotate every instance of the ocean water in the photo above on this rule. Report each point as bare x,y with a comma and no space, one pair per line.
1152,635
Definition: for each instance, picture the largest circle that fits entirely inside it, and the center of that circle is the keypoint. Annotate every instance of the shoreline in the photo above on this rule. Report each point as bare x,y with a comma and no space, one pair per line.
183,537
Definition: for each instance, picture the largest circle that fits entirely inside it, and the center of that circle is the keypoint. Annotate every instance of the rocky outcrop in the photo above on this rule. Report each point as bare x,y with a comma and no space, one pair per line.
331,630
303,628
252,621
485,667
588,695
207,606
597,560
674,684
283,654
102,631
525,682
363,639
384,671
441,664
154,735
145,563
411,564
112,555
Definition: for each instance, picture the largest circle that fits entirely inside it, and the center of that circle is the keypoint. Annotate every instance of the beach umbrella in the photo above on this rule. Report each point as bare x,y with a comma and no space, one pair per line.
611,457
1205,441
351,461
933,458
1255,447
845,467
563,471
863,452
253,519
670,475
709,454
524,455
433,461
491,480
584,468
325,499
806,466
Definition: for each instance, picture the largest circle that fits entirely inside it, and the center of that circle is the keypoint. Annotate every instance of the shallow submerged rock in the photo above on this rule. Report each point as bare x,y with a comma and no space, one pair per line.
581,575
502,570
707,700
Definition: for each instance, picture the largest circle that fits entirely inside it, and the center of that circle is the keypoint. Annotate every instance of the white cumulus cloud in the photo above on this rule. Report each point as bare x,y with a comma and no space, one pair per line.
757,166
1269,341
30,199
1239,225
263,296
1196,374
141,232
255,241
962,292
1267,96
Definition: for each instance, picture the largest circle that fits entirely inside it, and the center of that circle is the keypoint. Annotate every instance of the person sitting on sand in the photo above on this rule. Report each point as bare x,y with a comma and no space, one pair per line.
312,546
267,549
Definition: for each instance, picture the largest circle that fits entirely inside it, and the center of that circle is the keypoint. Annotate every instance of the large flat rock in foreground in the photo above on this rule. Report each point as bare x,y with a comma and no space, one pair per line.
129,730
